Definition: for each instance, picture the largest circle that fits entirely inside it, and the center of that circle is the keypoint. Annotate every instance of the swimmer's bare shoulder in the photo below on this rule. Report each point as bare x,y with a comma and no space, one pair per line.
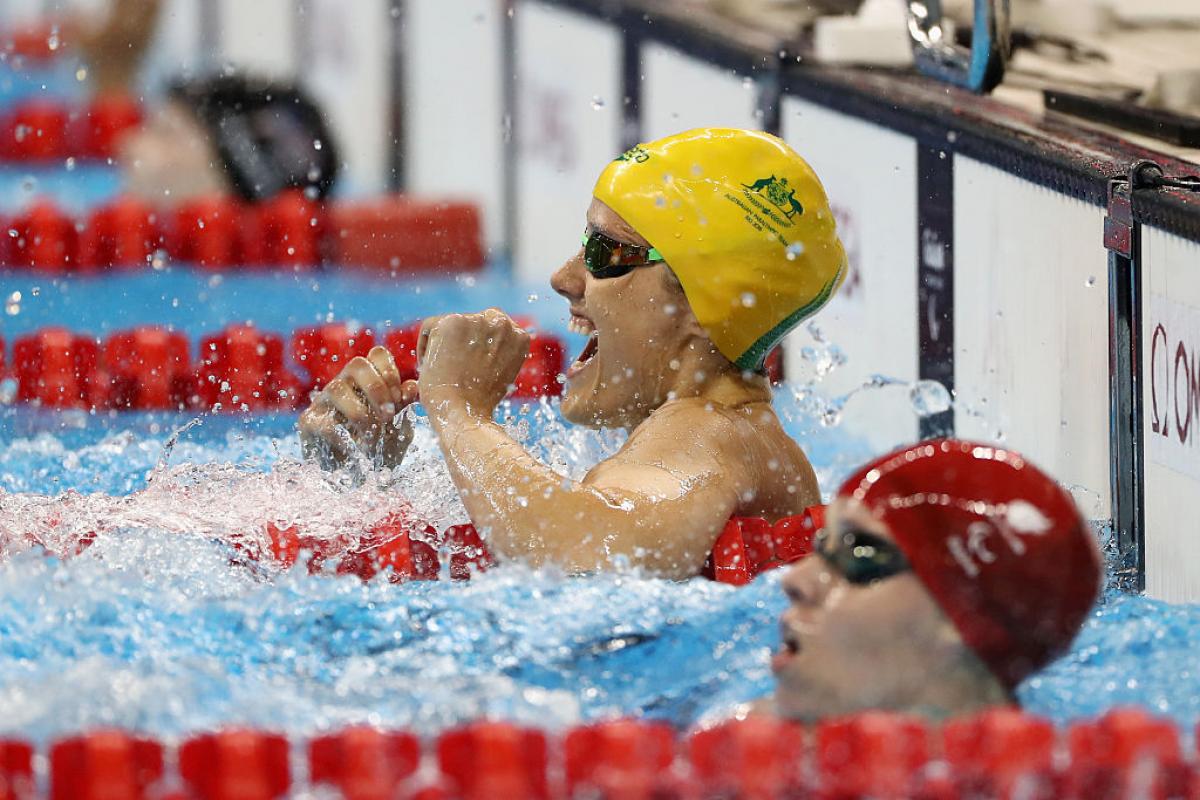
688,468
749,443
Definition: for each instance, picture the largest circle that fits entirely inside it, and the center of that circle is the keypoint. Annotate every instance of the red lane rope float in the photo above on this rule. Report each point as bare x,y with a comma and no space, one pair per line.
364,763
41,129
58,369
236,765
401,234
242,367
239,368
1127,753
757,757
490,760
1000,753
124,233
38,42
45,240
104,765
394,234
620,759
34,130
16,769
873,754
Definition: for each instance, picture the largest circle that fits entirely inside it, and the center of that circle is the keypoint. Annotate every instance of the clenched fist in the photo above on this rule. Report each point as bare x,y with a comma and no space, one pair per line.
469,358
360,410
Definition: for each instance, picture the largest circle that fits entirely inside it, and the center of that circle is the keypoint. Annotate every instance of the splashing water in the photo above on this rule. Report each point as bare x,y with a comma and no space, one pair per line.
929,397
152,628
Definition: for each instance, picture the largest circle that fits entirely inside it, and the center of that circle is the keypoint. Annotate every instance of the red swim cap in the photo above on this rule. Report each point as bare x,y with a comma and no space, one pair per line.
997,542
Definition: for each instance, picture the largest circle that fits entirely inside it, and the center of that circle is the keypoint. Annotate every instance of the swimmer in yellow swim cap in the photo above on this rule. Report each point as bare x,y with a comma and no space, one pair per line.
699,253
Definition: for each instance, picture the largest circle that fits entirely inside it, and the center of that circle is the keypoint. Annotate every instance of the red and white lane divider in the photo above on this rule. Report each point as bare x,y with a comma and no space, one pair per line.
395,234
1001,753
238,368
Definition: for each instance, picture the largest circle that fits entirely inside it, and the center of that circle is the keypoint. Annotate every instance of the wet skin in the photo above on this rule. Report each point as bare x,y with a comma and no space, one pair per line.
170,159
704,443
885,645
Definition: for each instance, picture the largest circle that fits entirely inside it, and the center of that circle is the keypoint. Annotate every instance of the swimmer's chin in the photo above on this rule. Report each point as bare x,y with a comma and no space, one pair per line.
578,411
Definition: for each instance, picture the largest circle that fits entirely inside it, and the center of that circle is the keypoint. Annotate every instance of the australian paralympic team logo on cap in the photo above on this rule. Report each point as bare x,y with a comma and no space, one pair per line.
769,205
779,193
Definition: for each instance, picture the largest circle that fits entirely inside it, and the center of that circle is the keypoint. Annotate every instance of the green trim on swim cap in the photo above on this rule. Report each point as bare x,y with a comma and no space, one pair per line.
753,358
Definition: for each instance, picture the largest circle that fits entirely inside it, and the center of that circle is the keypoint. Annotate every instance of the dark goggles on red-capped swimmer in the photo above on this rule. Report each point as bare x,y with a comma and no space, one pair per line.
607,258
860,557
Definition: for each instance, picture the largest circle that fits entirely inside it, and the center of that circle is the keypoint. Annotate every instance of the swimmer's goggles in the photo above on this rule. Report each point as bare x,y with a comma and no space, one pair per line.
608,258
860,557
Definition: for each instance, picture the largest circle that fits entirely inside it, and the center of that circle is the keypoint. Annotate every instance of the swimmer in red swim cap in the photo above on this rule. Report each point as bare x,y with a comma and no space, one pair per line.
947,573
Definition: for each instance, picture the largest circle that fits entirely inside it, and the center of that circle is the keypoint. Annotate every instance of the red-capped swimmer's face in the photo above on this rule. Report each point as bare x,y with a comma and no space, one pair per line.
849,646
639,328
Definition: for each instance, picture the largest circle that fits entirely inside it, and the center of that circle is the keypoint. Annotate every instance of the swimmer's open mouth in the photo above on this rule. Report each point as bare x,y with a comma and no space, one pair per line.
589,351
789,649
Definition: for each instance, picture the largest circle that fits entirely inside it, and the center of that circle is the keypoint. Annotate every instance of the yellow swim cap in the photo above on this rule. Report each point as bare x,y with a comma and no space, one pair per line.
743,223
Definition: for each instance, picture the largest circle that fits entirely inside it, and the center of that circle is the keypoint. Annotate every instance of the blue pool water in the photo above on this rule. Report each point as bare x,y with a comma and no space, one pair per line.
153,629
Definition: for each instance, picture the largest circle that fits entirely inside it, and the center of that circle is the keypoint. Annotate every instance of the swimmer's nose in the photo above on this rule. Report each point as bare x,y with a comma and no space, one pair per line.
804,584
568,280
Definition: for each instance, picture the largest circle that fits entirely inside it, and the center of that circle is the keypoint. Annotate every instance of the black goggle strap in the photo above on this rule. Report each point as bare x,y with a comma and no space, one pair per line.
860,557
608,258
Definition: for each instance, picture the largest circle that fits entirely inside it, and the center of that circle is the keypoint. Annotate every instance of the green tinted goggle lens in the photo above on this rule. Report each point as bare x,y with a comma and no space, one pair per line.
608,258
860,557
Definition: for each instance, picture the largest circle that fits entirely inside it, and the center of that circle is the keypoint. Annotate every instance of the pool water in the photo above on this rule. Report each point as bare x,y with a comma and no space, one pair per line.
152,628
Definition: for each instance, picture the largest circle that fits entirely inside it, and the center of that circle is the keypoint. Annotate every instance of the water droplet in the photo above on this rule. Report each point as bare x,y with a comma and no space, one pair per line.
81,74
13,304
597,103
824,357
53,41
749,299
533,298
1090,282
795,250
929,397
70,163
831,417
316,144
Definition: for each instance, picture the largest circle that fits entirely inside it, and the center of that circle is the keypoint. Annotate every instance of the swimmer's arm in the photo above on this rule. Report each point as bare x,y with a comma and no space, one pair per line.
659,503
